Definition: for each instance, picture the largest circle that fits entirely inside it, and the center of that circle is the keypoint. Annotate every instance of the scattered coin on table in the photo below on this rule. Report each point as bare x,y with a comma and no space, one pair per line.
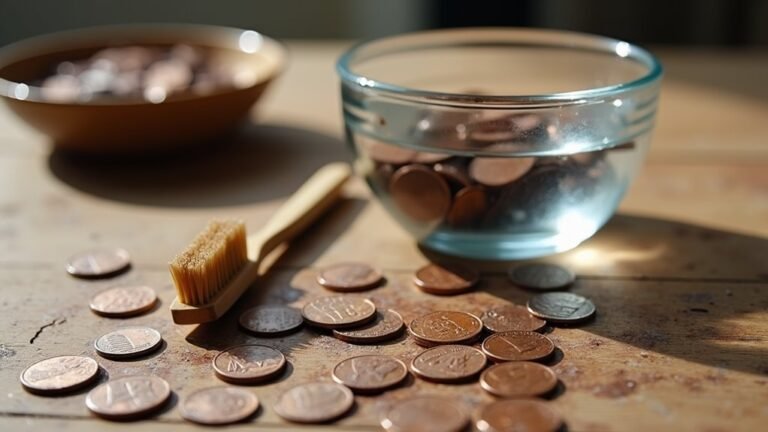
509,318
123,302
541,276
128,398
561,307
338,311
518,380
98,263
128,343
425,414
444,279
371,373
350,276
248,364
271,320
420,193
59,375
445,327
449,363
219,405
386,326
517,346
518,415
316,402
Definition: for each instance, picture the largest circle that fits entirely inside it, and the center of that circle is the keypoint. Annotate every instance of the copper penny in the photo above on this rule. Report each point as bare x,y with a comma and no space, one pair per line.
501,171
430,158
445,327
542,277
219,405
469,204
248,364
271,320
314,402
561,307
124,302
518,380
349,277
128,398
449,363
528,415
425,414
517,346
370,373
387,325
129,342
420,193
98,263
454,173
385,153
445,280
339,311
511,317
58,375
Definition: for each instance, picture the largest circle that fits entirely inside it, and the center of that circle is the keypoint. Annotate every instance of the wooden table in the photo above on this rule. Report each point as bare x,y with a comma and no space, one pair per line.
680,276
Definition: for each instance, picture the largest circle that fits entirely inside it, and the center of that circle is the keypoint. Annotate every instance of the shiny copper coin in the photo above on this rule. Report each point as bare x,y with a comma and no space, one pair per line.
445,280
420,193
387,325
349,277
219,405
501,171
517,346
129,342
445,327
518,380
561,307
370,373
511,317
425,414
58,375
528,415
469,204
271,320
124,302
449,363
317,402
339,311
128,398
385,153
98,263
541,276
248,364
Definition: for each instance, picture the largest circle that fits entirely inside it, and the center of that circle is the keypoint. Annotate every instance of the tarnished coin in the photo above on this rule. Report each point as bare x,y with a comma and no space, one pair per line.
123,302
351,276
248,364
219,405
420,193
445,280
518,380
445,327
128,398
271,320
449,363
425,414
339,311
511,317
561,307
98,263
387,325
501,171
314,402
370,373
528,415
541,276
517,346
469,204
59,375
129,342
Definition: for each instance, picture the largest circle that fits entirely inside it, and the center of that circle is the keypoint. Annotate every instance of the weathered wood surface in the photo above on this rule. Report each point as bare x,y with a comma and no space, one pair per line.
680,278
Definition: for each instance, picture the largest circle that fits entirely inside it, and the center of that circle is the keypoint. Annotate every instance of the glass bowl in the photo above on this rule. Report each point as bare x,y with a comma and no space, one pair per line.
499,143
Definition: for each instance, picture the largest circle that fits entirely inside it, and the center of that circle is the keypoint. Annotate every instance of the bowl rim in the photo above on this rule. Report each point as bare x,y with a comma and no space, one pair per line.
538,36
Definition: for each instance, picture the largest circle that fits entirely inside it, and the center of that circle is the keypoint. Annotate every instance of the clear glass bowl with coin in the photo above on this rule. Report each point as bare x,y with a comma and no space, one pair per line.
499,143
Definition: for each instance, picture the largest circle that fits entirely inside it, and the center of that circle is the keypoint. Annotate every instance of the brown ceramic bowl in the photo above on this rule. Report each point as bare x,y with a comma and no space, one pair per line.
115,126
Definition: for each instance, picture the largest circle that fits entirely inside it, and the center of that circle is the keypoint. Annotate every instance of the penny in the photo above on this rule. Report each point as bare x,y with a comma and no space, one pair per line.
124,301
528,415
449,363
127,343
370,373
445,280
385,153
469,204
511,317
445,327
386,326
271,320
128,398
517,346
349,277
420,193
430,158
219,405
541,276
505,128
518,380
499,171
98,263
314,402
58,375
248,364
561,307
338,311
425,414
454,173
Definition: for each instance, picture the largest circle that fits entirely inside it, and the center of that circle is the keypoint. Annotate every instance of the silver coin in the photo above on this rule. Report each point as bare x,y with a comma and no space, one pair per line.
128,343
561,307
541,276
271,320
